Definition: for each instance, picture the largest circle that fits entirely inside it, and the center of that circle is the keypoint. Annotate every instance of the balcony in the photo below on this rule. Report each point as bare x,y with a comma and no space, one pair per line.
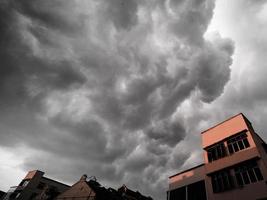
232,159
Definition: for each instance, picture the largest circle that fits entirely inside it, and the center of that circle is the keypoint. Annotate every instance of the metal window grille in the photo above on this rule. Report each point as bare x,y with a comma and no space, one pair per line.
237,143
222,181
216,152
248,173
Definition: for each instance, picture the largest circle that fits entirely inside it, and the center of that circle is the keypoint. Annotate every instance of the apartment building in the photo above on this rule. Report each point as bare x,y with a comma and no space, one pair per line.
36,186
234,167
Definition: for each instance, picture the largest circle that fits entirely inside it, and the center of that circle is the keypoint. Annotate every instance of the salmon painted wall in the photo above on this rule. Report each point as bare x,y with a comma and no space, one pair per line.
222,131
225,129
187,177
34,173
79,190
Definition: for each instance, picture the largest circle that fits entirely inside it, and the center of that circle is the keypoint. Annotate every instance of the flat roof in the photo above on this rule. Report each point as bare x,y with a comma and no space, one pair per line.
226,138
226,121
49,179
187,170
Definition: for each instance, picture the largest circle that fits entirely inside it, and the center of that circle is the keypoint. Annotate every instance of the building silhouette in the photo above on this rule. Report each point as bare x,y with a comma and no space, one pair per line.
90,189
36,186
235,165
2,194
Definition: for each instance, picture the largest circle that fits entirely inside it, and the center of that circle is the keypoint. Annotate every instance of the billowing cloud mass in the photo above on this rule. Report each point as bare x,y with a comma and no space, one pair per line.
120,89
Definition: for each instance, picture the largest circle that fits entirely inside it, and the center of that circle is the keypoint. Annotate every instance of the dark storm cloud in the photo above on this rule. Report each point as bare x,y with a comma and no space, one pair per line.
51,14
99,85
197,13
169,133
211,72
123,14
19,65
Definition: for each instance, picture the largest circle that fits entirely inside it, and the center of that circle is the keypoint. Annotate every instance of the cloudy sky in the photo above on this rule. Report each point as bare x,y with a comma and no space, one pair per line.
122,89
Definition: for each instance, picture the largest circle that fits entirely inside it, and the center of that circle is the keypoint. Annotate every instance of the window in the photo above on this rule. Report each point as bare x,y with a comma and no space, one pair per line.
248,173
179,193
237,143
215,152
196,191
24,183
221,181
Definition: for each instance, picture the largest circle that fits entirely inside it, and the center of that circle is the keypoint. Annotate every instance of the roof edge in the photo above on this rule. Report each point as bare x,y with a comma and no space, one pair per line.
187,170
55,181
226,121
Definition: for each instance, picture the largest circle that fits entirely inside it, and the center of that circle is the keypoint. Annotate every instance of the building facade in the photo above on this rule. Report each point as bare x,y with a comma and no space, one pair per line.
36,186
235,165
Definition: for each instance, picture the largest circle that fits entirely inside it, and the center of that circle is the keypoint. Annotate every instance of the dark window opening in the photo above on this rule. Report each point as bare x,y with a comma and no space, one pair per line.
239,179
194,191
24,183
216,152
222,181
247,173
237,143
179,193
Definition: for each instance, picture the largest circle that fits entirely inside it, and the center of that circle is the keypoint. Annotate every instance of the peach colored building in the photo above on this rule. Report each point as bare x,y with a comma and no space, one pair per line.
235,165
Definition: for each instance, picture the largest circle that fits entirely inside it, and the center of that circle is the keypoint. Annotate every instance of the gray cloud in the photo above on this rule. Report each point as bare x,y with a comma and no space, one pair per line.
101,86
169,133
197,14
211,68
123,14
51,15
245,90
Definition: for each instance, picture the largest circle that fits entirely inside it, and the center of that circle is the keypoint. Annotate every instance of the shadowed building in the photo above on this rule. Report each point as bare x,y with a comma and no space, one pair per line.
235,165
83,190
128,194
90,189
36,186
2,194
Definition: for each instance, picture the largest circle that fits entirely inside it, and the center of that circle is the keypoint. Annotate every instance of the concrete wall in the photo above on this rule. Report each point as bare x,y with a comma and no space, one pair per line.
52,183
79,190
223,130
187,177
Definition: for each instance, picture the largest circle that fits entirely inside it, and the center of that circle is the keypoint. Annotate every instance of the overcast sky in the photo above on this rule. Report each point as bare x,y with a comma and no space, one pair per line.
122,89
